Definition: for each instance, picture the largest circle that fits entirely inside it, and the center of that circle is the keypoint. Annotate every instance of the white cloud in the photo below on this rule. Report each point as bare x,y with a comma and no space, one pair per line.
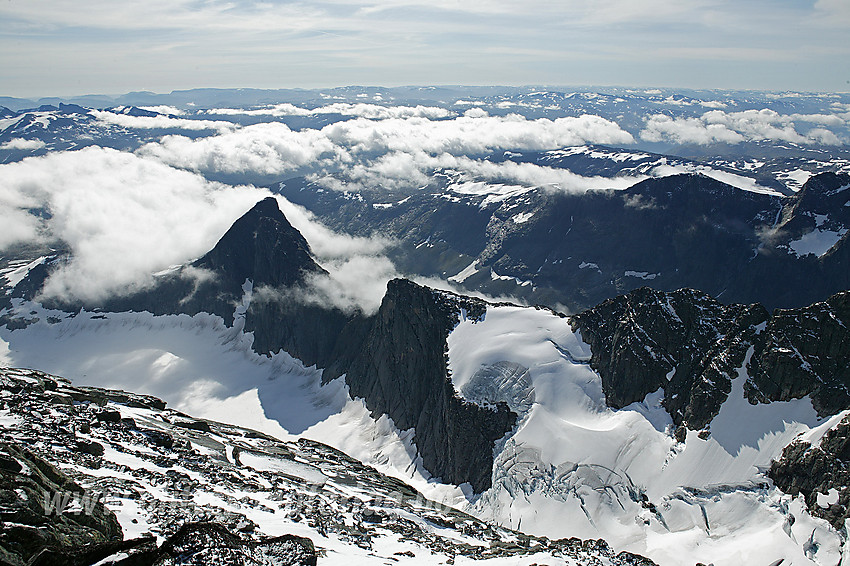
376,148
363,110
267,148
473,134
405,169
20,143
358,269
164,109
160,122
735,127
123,216
660,127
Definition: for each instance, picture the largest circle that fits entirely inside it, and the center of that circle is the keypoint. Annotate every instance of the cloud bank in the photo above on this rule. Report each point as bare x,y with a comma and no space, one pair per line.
123,216
357,267
717,126
363,110
160,122
391,151
126,217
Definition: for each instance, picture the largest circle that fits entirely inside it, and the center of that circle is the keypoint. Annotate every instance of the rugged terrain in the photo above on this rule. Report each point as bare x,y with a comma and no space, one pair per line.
82,466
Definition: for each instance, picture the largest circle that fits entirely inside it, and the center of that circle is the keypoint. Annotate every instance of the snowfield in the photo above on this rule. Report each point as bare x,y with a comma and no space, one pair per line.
571,467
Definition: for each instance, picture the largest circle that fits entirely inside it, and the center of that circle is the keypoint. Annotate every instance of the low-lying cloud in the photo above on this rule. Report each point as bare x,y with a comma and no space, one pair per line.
717,126
399,170
23,144
267,148
123,216
363,110
126,217
273,148
358,270
160,122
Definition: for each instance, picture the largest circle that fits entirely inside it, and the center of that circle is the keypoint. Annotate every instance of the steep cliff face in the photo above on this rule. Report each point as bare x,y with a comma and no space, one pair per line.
692,346
684,341
821,473
805,352
401,371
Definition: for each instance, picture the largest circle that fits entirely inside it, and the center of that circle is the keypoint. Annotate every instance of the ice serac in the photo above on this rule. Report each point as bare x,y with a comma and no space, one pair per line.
401,371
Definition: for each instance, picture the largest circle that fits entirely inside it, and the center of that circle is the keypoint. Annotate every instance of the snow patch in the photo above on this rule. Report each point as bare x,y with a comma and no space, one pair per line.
465,273
830,498
645,275
816,242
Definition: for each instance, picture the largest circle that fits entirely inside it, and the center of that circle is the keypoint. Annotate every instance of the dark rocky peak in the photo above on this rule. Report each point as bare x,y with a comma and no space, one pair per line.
805,352
692,346
685,342
72,109
400,370
134,111
261,246
824,184
7,113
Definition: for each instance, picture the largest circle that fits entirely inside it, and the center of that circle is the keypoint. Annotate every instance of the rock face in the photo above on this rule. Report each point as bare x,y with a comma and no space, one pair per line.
210,543
33,529
805,352
820,469
401,371
692,346
685,342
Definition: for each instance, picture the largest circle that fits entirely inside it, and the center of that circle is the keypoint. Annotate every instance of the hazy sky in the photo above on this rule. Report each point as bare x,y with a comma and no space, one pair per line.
62,47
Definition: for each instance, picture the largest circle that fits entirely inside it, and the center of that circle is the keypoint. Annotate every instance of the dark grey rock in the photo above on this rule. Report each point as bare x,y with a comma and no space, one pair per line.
809,470
401,371
685,342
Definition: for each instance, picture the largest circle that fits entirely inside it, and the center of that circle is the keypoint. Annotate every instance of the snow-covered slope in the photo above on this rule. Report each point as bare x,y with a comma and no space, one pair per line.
573,466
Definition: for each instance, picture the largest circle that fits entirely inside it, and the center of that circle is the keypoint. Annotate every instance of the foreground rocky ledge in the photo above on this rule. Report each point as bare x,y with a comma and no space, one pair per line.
77,462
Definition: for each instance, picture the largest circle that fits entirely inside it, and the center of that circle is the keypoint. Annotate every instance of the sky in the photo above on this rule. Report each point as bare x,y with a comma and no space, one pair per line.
65,48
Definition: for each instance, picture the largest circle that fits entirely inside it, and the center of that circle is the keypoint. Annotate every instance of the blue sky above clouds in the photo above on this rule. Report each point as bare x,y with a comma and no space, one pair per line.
59,47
